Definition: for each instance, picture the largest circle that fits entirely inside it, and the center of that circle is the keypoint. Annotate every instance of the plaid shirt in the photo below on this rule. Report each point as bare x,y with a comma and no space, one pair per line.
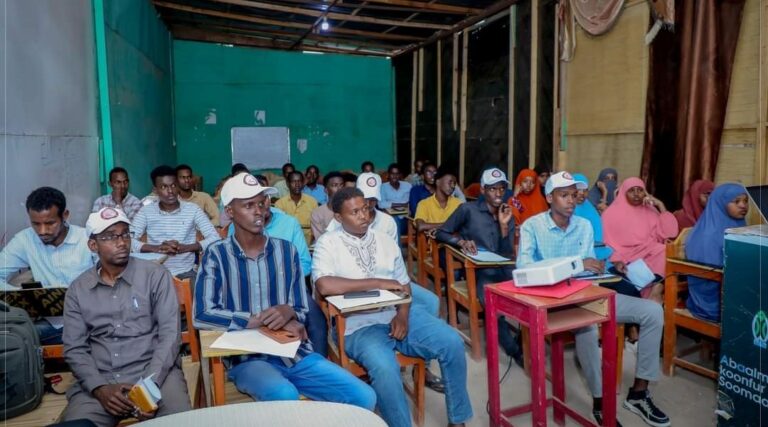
131,204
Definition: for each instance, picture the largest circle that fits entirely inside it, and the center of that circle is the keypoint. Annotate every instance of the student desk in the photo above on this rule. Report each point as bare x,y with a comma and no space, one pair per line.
276,414
551,316
214,355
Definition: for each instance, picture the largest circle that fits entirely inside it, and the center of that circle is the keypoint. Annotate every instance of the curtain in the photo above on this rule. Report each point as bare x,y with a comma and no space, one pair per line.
596,17
688,83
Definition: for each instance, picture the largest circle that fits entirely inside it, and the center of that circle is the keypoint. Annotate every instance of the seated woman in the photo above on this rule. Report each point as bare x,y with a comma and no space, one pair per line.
585,209
527,200
693,203
602,193
726,208
637,226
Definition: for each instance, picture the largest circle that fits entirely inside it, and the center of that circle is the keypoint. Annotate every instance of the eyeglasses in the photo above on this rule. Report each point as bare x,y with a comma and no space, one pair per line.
113,237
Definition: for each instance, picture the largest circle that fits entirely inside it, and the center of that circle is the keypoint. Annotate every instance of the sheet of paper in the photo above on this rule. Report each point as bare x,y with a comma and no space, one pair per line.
588,275
343,303
56,321
488,256
253,341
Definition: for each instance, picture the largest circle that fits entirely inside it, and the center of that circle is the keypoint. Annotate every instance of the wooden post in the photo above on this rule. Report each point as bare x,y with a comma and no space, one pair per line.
421,79
414,83
556,119
439,102
535,4
455,82
463,130
511,91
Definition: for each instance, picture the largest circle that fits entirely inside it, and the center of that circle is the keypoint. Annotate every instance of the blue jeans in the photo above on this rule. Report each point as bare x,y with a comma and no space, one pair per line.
317,328
425,299
428,338
314,377
48,333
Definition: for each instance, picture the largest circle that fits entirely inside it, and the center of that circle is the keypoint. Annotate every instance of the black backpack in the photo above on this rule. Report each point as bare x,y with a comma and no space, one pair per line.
21,363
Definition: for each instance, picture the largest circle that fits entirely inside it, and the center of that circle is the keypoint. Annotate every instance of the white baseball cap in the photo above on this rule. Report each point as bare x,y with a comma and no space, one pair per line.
370,184
103,219
561,180
243,186
492,176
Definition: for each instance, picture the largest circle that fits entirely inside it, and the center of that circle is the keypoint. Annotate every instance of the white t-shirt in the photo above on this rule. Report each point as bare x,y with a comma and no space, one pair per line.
375,255
383,223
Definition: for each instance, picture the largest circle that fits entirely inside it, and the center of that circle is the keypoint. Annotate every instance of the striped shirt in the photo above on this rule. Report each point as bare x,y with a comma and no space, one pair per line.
181,225
52,266
131,204
231,287
541,238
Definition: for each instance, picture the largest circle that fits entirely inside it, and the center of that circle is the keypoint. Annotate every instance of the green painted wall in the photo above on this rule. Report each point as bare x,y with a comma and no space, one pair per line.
140,89
342,105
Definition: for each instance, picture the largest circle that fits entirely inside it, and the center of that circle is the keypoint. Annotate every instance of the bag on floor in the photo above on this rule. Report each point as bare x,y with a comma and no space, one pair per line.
21,363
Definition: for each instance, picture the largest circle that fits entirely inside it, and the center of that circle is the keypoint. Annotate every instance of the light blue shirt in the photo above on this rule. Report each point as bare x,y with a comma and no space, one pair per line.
52,266
541,238
389,195
318,193
283,226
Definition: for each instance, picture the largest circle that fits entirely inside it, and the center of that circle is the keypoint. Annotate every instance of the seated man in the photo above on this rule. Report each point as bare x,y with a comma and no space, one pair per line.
282,185
186,183
251,280
486,224
323,215
433,211
172,226
312,174
280,225
395,194
298,204
120,197
369,184
56,251
358,258
121,324
558,233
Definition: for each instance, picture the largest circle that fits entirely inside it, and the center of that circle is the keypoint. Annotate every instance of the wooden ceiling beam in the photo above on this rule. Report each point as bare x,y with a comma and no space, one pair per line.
333,15
189,33
285,24
379,6
487,13
432,7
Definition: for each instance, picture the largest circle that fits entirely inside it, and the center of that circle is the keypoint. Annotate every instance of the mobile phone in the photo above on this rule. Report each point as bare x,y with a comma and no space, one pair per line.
362,294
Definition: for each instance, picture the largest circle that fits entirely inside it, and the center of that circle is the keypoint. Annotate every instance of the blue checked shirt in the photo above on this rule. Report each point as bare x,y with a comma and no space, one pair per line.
541,238
230,287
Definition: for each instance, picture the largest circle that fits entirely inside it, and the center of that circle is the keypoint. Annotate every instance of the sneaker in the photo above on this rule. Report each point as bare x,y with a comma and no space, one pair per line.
645,408
598,415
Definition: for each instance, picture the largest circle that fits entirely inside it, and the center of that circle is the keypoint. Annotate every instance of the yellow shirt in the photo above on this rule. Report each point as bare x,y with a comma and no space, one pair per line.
429,209
206,203
302,211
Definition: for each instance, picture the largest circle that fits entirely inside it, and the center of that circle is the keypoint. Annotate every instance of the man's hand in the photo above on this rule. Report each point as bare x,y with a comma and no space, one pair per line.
620,267
170,247
113,397
295,327
254,322
398,327
468,247
394,286
143,416
277,316
594,265
505,214
518,189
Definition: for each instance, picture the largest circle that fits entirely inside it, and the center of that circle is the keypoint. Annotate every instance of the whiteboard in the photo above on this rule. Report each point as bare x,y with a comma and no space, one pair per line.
261,147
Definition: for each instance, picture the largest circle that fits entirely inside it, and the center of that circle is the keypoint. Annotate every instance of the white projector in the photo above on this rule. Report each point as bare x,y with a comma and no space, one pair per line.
548,272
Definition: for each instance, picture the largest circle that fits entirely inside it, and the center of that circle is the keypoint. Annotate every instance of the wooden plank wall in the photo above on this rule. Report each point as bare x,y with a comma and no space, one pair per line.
604,92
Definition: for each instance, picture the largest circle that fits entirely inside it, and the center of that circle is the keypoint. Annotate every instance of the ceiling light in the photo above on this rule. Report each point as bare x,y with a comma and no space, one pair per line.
325,25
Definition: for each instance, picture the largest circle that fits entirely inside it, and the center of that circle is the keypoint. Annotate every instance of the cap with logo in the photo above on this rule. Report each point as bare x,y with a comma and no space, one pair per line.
370,184
561,180
103,219
243,186
493,176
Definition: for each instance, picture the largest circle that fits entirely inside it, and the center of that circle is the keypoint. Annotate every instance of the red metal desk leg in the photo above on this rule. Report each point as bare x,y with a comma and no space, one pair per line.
538,365
492,353
558,376
609,365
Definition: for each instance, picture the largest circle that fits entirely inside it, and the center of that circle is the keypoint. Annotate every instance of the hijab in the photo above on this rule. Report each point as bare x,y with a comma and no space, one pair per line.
635,231
595,195
705,243
588,211
692,209
528,205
